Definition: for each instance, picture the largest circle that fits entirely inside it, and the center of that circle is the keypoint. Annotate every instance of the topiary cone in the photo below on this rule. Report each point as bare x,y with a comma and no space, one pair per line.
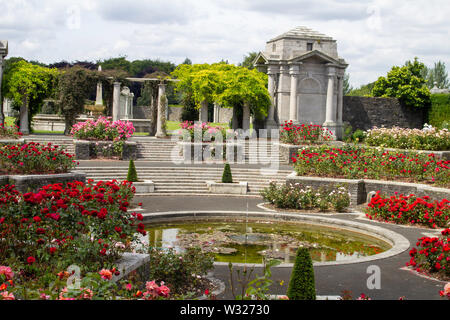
132,173
226,176
301,284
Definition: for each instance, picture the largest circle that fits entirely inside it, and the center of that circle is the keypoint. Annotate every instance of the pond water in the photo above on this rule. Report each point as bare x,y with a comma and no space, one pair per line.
241,242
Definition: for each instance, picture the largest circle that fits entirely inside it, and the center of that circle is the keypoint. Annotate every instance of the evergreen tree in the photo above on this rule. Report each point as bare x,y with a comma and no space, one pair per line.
132,173
226,176
301,284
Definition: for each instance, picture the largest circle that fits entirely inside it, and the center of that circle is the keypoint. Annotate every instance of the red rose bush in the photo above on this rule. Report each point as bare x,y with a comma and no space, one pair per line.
432,255
409,209
34,158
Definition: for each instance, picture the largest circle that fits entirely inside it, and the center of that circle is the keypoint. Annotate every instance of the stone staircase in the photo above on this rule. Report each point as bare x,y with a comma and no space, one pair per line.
65,142
187,180
166,150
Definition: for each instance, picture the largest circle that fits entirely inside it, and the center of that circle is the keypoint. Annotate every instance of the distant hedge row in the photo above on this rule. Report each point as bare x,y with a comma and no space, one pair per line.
440,110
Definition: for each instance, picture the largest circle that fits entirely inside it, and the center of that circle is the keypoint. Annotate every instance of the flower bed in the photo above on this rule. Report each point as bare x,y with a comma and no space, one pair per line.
102,129
291,133
354,162
198,132
87,225
34,158
103,138
432,256
9,132
307,198
409,210
428,138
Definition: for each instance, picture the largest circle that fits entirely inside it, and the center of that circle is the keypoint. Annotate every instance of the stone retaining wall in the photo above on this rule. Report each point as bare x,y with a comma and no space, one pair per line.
366,112
359,189
86,150
32,183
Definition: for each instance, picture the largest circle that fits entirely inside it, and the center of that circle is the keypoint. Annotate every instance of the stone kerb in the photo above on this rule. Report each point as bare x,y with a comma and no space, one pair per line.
359,189
227,188
86,150
11,141
27,183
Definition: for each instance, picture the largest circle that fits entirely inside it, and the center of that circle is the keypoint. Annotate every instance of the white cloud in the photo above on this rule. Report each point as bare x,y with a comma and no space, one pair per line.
372,35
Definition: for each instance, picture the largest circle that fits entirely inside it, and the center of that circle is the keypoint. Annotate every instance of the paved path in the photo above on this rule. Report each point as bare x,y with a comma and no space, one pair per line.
330,280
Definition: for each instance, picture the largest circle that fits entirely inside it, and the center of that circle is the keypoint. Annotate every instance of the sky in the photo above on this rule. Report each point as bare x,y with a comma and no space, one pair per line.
372,36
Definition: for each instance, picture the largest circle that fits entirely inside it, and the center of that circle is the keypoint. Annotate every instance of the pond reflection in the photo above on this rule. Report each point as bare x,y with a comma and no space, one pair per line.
250,242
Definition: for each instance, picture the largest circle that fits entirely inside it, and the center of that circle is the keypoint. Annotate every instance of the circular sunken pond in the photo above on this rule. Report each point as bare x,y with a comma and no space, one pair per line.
239,241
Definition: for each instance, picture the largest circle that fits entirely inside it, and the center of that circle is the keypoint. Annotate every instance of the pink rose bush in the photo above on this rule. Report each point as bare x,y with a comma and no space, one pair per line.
203,132
428,138
103,129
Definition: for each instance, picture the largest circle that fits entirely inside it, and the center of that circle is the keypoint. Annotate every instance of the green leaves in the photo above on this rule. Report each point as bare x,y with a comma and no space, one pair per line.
405,83
225,84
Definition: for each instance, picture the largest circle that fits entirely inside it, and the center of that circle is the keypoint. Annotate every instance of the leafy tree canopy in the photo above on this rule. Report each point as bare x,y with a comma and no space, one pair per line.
226,84
405,83
248,60
23,80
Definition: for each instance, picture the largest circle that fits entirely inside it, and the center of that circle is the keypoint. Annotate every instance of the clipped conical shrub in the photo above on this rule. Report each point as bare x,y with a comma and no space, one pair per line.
226,176
301,284
132,173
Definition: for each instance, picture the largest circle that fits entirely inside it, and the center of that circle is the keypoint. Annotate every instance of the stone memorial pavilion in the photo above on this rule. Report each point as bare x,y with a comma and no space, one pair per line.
306,77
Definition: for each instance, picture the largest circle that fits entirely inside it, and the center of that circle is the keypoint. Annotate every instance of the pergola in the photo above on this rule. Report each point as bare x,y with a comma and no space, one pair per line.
161,92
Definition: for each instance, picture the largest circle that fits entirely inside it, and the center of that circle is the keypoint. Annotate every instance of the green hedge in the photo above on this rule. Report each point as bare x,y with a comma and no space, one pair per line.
440,110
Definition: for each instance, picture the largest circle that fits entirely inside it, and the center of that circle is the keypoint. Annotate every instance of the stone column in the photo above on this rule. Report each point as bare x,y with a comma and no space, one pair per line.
283,91
330,112
246,117
23,124
203,114
116,102
99,96
272,72
2,115
330,115
159,122
340,108
216,112
294,71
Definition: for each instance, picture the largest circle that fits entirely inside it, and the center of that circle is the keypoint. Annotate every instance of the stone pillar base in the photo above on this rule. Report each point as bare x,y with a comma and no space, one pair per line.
336,128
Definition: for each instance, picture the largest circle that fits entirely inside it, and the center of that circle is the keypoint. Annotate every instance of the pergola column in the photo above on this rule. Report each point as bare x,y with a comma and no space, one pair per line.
203,114
159,122
216,112
116,101
294,72
246,117
23,121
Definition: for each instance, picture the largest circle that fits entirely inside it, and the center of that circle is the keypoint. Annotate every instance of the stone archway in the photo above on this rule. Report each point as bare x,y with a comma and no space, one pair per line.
311,101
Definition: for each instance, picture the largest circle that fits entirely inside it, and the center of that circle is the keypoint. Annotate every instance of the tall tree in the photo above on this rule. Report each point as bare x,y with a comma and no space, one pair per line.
405,83
28,85
248,60
437,76
74,86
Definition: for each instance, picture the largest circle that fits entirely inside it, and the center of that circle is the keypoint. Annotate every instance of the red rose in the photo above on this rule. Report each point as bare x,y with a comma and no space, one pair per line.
31,260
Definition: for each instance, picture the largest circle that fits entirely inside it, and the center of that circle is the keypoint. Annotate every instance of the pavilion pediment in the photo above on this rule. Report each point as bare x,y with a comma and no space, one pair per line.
316,57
